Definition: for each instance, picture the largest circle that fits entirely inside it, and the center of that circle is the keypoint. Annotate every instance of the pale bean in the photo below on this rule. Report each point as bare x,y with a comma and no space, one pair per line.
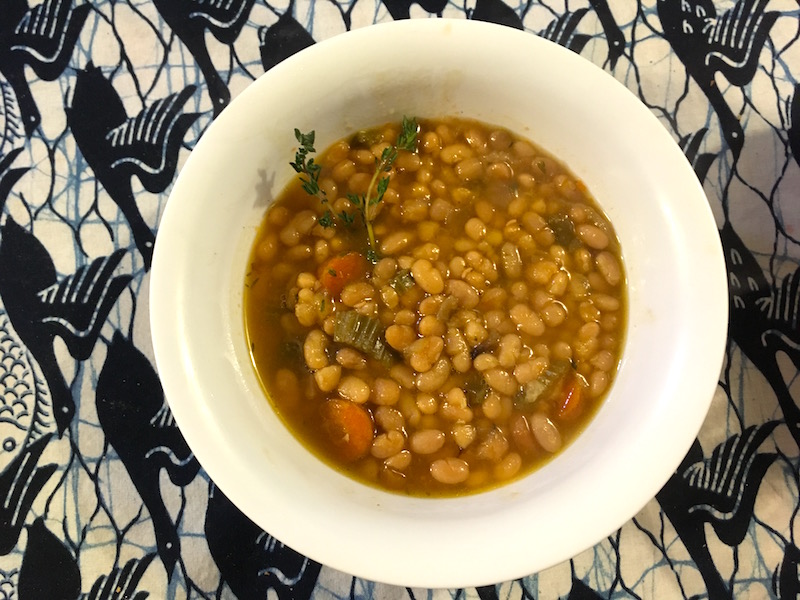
592,236
462,362
475,333
533,222
542,272
466,295
355,293
485,361
396,242
385,392
545,432
588,331
492,406
405,316
501,381
494,445
403,375
475,229
450,471
562,350
399,462
430,142
343,171
327,378
558,284
598,383
388,418
428,250
463,434
435,377
354,389
603,360
508,350
387,444
427,404
527,320
306,280
350,358
499,171
605,302
511,260
609,267
431,325
426,441
508,466
314,349
455,413
427,276
529,370
400,337
553,314
469,169
389,296
454,153
424,352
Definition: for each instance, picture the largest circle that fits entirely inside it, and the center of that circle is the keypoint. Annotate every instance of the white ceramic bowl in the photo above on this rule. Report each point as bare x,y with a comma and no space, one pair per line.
429,68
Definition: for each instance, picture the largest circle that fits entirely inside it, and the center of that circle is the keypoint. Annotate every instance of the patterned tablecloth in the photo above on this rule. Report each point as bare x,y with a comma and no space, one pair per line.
101,102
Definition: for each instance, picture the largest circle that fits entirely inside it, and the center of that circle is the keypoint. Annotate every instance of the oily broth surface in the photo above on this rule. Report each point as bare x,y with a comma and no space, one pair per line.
530,279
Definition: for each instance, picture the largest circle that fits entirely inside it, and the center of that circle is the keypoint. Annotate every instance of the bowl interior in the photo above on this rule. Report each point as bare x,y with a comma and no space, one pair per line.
429,68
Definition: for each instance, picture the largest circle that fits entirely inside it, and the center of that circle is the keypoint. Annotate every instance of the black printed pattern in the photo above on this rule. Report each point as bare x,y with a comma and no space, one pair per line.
102,499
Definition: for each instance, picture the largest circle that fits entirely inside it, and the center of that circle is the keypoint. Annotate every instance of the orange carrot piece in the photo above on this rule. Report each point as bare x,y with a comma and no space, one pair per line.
571,404
349,427
338,271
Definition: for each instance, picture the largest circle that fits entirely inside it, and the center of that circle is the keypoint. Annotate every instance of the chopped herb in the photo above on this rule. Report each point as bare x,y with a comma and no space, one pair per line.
402,281
363,333
545,384
332,272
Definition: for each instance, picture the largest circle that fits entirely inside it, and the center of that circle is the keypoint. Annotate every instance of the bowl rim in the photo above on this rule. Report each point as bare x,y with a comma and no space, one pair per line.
183,379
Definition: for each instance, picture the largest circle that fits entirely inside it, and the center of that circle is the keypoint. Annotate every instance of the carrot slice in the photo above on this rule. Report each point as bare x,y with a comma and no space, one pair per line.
338,271
571,404
349,427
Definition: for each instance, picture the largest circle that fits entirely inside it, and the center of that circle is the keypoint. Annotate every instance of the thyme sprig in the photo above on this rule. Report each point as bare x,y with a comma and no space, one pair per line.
306,166
406,140
366,204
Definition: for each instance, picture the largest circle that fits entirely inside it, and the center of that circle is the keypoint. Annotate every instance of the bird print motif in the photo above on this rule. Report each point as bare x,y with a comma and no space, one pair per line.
701,162
20,484
42,38
253,563
401,9
191,19
26,410
561,30
41,307
282,39
9,176
729,44
495,11
764,319
614,36
118,148
720,490
139,426
786,579
45,553
121,584
12,131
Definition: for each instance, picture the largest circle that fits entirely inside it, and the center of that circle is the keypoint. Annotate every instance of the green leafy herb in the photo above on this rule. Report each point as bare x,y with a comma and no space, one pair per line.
306,166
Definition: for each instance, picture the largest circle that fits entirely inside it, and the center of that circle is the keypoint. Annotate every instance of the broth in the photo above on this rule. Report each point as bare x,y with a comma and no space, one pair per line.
472,344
